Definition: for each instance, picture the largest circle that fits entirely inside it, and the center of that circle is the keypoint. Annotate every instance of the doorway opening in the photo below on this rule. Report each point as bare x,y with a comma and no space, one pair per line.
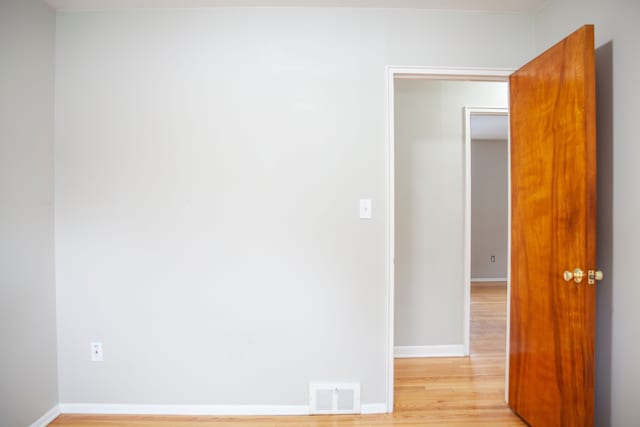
486,228
553,229
454,334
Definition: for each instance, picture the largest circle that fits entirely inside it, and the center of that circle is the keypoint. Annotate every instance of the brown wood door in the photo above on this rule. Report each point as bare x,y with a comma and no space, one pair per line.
553,183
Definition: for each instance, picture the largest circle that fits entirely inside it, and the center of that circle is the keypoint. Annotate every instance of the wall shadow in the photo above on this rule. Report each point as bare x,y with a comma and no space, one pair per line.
605,289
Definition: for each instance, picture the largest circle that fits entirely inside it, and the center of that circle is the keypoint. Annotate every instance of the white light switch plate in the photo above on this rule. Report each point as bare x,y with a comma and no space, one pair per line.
96,352
365,208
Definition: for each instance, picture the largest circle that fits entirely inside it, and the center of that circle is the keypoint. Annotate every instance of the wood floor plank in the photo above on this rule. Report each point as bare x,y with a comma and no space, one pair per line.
447,391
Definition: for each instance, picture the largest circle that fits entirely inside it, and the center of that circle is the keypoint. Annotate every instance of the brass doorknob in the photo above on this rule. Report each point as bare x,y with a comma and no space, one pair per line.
577,275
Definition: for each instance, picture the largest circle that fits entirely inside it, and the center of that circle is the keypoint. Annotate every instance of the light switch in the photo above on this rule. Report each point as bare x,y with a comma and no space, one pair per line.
96,352
365,208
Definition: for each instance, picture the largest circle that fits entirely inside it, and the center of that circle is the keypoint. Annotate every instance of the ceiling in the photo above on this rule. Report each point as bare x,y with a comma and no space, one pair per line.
493,127
521,6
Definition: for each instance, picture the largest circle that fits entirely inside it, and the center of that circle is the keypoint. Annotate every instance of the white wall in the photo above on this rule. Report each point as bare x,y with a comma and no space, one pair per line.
208,169
489,208
28,373
617,68
429,163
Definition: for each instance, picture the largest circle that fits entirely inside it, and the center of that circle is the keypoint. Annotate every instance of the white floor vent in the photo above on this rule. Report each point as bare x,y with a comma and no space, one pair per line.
334,398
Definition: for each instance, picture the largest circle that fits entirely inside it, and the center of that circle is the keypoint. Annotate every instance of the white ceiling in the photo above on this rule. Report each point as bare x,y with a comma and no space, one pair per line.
479,5
489,127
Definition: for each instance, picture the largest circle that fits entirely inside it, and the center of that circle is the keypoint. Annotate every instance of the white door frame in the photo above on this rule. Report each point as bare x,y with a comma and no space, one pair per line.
393,72
468,112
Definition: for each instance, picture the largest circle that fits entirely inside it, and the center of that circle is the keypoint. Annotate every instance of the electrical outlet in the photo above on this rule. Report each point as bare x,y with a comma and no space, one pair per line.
96,352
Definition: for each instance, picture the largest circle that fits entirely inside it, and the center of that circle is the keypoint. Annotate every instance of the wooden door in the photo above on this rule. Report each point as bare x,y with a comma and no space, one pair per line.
553,182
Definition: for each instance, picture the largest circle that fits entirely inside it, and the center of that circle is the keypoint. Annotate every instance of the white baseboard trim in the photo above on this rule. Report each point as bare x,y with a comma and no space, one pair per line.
373,408
488,279
214,410
428,351
49,416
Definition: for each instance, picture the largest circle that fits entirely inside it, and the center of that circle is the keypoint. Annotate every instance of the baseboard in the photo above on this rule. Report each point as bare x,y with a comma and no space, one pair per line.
373,408
212,410
428,351
49,416
488,279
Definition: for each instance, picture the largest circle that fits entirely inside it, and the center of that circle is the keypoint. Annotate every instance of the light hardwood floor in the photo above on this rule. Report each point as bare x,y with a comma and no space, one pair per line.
429,392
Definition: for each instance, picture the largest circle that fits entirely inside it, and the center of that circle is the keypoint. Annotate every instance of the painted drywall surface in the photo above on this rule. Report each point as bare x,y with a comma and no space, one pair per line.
617,92
429,163
28,371
489,208
208,169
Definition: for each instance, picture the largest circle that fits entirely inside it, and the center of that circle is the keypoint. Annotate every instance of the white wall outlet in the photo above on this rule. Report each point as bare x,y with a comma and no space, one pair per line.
96,352
365,208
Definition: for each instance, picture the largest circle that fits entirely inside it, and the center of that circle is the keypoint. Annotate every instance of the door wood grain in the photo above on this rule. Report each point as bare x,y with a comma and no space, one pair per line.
553,182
